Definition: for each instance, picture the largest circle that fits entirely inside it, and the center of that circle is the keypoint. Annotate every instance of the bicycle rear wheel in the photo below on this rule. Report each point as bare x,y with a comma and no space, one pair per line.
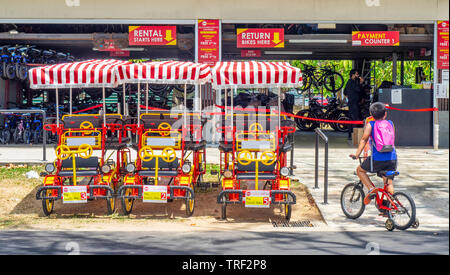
333,81
405,214
352,200
304,124
306,83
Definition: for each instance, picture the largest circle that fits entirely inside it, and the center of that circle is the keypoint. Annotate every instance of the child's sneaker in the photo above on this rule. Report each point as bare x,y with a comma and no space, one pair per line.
370,196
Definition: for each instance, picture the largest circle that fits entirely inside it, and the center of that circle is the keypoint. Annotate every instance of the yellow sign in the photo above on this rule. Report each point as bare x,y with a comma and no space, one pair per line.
154,193
74,194
257,199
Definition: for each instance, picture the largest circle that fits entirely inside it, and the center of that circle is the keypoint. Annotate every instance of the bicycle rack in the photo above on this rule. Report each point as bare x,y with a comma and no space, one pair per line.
44,133
320,134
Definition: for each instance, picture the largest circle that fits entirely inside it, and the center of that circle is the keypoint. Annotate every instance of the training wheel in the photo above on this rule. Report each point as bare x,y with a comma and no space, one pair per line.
416,224
389,224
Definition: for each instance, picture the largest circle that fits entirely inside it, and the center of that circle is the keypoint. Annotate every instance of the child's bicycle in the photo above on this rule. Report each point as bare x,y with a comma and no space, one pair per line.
399,208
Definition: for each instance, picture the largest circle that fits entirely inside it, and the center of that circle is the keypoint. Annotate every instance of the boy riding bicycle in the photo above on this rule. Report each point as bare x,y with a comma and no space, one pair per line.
381,134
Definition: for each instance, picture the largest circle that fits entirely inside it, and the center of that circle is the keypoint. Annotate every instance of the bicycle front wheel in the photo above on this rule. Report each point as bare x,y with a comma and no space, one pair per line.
403,213
333,81
352,201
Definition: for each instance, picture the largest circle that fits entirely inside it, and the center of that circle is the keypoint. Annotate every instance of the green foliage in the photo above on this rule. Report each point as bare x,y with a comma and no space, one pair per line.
381,71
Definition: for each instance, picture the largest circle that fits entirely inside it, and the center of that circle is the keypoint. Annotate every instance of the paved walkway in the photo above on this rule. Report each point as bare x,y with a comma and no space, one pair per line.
424,175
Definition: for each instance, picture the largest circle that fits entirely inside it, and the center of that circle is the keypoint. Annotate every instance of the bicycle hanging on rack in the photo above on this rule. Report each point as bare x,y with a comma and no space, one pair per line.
325,77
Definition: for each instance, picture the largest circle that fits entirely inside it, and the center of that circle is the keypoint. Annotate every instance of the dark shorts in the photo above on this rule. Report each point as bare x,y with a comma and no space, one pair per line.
389,165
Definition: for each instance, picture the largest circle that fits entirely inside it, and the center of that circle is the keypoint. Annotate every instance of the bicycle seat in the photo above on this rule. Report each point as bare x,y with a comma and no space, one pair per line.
388,174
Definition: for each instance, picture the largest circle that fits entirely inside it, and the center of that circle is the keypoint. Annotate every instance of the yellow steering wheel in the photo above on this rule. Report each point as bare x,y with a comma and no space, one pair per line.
86,125
244,157
268,157
62,152
146,153
169,154
85,151
255,127
165,129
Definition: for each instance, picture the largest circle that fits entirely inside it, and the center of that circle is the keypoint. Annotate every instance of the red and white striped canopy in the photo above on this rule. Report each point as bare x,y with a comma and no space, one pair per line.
254,74
165,72
93,73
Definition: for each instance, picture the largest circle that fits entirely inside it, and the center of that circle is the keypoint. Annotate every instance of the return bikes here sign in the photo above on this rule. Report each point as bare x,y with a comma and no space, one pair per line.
260,38
376,38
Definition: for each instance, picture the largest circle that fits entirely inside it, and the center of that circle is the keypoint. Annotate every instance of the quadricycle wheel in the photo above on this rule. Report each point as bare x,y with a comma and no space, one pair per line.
48,204
287,210
190,202
111,202
127,203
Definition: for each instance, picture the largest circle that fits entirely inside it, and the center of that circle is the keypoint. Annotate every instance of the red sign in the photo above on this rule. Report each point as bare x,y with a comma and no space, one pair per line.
250,53
152,35
376,38
260,38
108,45
119,53
208,41
442,46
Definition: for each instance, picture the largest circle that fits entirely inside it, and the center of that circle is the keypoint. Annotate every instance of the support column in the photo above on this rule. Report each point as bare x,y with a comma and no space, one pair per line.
394,68
435,82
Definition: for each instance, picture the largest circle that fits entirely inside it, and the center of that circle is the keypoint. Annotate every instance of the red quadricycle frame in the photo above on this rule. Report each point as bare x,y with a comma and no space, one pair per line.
170,146
256,152
79,136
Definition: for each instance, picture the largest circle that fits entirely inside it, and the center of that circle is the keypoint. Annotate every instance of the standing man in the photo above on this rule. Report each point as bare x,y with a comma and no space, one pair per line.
352,91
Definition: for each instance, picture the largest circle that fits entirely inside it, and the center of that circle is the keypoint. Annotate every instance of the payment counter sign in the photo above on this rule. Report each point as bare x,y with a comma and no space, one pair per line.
154,194
376,38
152,35
257,199
74,194
260,38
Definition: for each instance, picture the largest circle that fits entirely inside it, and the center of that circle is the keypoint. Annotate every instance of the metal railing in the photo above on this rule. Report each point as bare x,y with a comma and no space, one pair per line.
320,134
44,117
